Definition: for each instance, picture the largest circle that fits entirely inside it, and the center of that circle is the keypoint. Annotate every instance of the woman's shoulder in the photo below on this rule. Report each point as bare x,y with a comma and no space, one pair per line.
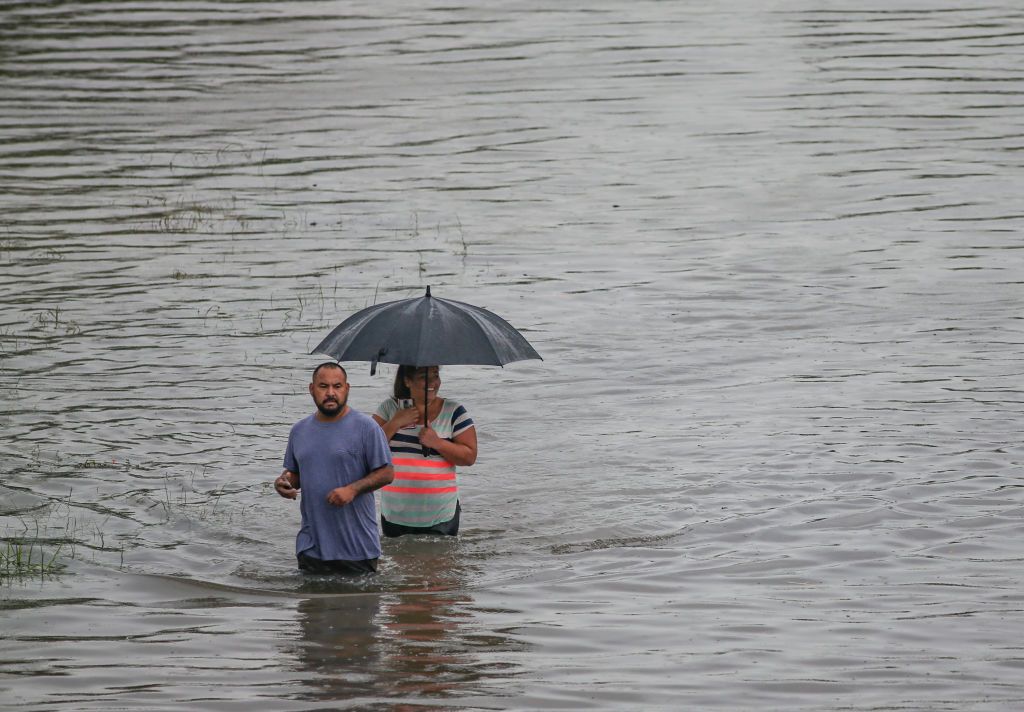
451,405
389,404
457,413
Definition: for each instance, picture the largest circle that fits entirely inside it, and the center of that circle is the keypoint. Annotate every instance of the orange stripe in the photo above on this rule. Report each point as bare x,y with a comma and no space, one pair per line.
424,475
420,490
417,462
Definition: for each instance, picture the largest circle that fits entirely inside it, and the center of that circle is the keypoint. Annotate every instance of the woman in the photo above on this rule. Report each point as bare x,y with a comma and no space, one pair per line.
424,496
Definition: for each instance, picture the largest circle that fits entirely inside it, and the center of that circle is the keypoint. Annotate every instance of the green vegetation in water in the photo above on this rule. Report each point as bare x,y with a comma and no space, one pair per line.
21,559
50,540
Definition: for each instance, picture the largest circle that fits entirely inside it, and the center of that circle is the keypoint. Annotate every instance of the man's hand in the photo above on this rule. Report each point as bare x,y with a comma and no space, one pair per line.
340,496
284,486
374,480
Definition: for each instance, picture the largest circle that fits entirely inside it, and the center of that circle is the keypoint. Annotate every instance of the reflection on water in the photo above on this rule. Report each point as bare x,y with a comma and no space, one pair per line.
421,631
401,650
770,256
338,646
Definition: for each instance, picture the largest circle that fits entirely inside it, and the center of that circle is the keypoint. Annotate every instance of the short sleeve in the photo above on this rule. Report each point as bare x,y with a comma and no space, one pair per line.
460,420
387,409
378,454
290,463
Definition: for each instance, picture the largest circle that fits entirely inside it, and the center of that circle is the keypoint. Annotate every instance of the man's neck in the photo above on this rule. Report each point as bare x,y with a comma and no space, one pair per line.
331,418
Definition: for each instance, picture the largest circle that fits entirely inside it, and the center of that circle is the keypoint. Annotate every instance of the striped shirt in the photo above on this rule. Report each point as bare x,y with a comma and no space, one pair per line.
425,489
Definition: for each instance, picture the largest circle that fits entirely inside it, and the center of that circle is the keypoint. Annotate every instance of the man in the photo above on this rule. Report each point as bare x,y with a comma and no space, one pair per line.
338,457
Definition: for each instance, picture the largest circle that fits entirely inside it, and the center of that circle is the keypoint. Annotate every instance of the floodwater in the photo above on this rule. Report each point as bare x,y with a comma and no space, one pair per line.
770,252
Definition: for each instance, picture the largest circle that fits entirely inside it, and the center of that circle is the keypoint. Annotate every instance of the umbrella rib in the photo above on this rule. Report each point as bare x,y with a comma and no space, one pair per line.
490,342
421,327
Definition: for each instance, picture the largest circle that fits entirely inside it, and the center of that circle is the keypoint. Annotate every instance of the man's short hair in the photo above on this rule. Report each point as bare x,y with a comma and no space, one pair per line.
330,364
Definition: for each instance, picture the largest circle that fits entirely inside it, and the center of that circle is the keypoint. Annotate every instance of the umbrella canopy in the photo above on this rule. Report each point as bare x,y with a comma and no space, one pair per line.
426,331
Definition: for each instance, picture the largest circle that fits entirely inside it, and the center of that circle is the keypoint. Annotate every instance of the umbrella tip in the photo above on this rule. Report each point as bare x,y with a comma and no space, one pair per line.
428,290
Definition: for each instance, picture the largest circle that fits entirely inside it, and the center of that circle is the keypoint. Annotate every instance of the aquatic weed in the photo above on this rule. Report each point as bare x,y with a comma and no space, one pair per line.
25,557
21,560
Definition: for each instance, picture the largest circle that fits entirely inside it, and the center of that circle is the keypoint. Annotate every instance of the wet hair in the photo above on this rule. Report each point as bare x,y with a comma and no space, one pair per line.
404,371
330,364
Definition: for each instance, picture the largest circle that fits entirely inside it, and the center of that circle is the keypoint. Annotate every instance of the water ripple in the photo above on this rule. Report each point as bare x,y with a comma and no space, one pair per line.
768,254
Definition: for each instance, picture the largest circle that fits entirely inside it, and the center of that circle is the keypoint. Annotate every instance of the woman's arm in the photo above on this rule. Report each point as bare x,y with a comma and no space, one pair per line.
403,418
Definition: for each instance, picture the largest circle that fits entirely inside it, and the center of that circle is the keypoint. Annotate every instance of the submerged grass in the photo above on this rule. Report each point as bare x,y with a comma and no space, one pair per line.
38,550
42,550
21,559
45,540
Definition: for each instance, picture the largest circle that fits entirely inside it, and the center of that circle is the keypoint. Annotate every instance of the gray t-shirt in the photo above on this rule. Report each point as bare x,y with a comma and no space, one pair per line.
327,455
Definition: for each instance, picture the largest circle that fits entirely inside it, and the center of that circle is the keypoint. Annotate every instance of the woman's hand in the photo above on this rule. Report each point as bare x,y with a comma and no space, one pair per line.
406,417
430,438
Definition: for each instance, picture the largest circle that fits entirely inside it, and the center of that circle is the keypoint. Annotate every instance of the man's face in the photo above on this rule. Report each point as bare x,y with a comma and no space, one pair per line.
330,391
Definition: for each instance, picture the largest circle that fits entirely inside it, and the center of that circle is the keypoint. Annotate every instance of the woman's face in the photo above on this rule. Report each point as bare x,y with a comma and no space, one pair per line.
432,374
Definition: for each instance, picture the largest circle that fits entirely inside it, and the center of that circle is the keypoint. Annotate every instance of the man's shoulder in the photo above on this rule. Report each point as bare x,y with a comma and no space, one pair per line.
354,420
361,419
366,424
302,423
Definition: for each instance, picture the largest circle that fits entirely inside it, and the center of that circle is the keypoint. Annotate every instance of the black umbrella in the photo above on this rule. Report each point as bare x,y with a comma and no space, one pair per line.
426,331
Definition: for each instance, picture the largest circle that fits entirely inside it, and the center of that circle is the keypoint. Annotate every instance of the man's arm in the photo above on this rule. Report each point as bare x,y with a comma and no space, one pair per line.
381,477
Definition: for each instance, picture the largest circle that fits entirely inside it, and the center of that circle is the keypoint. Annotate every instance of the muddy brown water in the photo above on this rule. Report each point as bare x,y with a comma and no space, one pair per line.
770,252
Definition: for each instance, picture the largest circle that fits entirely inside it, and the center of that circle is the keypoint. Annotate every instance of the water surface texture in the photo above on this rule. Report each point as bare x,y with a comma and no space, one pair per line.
769,251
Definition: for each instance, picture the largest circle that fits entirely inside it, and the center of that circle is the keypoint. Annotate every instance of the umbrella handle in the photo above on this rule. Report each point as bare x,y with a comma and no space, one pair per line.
426,404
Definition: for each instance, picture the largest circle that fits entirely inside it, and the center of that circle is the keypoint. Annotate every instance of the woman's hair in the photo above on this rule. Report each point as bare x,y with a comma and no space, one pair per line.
404,371
401,390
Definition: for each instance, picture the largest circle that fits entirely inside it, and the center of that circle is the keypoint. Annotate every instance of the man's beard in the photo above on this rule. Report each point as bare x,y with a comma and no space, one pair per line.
335,407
